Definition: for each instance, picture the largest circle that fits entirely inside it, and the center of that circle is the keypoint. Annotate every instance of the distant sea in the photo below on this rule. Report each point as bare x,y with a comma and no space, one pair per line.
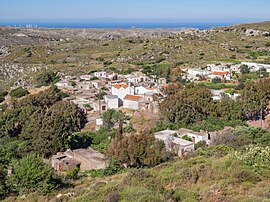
114,25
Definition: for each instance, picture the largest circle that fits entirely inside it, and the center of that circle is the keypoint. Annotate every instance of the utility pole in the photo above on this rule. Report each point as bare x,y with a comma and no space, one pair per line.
261,114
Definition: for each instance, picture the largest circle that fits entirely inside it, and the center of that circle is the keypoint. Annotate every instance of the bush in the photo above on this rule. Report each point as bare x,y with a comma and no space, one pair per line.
73,174
185,195
31,175
217,151
112,168
18,92
2,95
186,137
256,157
46,78
141,150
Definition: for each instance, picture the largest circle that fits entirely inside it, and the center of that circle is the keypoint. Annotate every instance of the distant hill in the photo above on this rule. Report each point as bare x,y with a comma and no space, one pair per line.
25,52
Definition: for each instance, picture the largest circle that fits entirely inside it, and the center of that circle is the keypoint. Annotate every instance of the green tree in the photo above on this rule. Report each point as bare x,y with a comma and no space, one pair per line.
2,95
31,175
188,105
136,150
46,78
113,117
255,97
244,69
47,130
3,183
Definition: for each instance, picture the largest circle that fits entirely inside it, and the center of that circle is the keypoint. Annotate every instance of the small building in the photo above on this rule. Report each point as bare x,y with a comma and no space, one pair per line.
220,75
85,85
84,159
175,144
63,84
99,106
197,72
121,90
86,77
162,81
97,84
112,101
195,136
100,74
132,102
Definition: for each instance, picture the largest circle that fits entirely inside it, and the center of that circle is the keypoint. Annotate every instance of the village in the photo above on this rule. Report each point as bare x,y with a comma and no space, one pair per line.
100,91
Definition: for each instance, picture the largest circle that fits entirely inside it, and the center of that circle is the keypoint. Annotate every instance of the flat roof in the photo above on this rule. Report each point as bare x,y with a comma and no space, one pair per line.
175,140
182,131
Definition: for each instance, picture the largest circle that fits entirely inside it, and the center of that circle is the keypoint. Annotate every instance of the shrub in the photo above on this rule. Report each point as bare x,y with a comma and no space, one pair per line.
46,78
217,151
73,174
137,150
256,157
18,92
2,95
185,195
31,175
186,137
113,168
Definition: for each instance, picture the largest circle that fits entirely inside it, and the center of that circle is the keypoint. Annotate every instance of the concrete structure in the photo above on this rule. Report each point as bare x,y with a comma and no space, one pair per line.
132,102
84,159
137,79
220,75
112,101
100,74
195,136
198,72
256,66
175,144
84,85
63,84
86,77
99,106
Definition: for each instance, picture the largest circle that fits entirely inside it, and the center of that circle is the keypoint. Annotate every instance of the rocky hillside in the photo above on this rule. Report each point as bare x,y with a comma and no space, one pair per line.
23,51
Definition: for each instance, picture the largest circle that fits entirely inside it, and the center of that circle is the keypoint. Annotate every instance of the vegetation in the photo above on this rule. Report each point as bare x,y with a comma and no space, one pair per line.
137,150
46,78
18,92
43,121
29,174
2,95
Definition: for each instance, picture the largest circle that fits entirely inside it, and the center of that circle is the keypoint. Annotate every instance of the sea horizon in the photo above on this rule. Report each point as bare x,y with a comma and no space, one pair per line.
124,25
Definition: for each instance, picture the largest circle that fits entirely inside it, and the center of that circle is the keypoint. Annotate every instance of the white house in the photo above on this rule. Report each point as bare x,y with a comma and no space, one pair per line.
256,66
112,101
132,102
86,77
141,90
221,75
215,68
100,74
121,90
195,136
63,84
137,79
85,85
195,72
175,144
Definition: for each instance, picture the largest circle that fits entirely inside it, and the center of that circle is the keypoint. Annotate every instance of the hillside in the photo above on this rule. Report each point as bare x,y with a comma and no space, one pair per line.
24,52
196,179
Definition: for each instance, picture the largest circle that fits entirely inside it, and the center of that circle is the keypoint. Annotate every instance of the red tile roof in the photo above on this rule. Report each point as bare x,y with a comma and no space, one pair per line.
220,73
132,97
118,86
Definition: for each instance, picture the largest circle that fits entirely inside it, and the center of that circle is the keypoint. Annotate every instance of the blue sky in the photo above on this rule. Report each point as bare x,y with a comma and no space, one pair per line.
144,10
